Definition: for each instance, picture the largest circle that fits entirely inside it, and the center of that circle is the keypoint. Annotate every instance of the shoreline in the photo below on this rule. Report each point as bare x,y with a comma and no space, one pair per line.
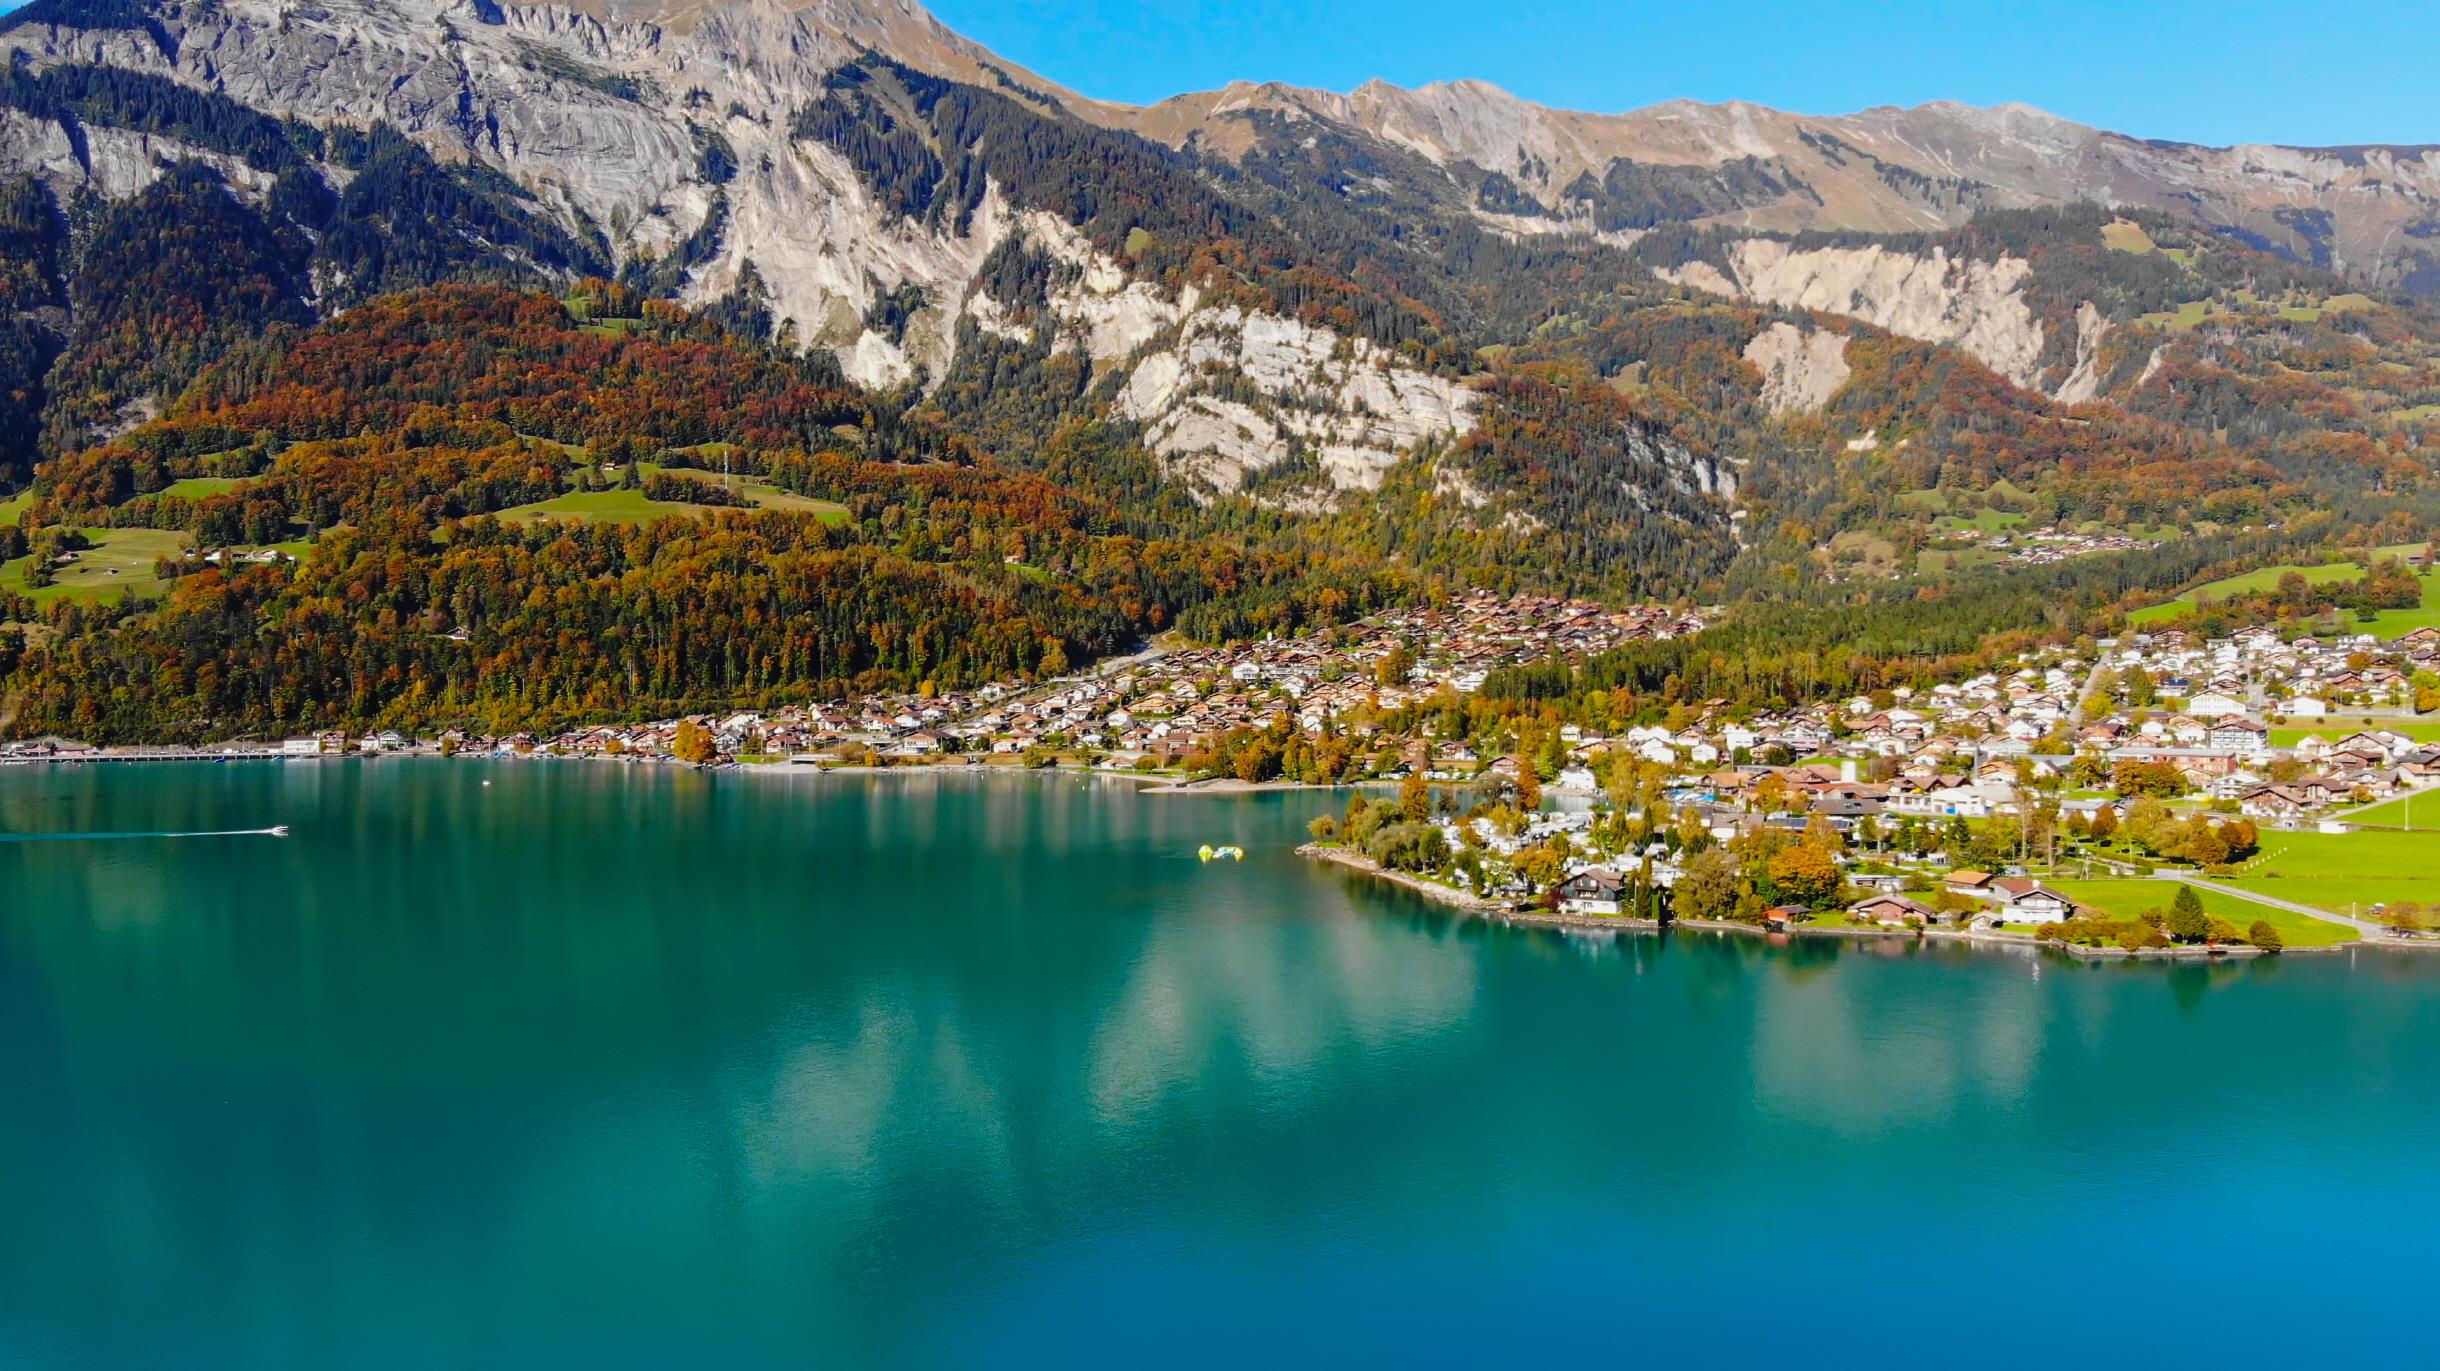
1508,913
1502,911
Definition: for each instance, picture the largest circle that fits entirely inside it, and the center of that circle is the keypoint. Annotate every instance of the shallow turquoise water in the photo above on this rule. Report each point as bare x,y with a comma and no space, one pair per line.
617,1067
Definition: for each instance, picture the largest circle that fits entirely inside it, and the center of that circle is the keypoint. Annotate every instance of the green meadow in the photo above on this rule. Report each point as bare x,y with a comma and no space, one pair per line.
2346,873
2338,726
2389,623
2418,812
2128,899
120,560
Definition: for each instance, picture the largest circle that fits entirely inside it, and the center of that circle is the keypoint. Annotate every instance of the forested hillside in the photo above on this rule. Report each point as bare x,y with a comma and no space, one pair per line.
581,380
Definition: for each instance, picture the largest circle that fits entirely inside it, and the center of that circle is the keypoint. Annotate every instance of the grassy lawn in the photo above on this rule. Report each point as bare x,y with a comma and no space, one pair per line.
13,508
602,507
2389,624
574,452
764,495
2127,899
1866,549
197,487
2396,623
2422,810
121,559
2185,318
1930,563
618,506
2342,725
1985,521
2346,873
2127,236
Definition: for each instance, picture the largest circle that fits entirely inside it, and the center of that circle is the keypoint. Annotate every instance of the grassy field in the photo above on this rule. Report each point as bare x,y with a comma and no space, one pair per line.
601,507
2422,811
767,496
121,559
2127,236
13,508
2389,624
2339,726
2127,899
197,487
2346,873
1930,563
2186,318
1984,521
2336,304
2394,623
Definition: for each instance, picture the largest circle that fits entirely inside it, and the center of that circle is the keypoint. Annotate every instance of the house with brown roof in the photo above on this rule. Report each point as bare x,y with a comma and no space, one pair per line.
1893,911
2031,902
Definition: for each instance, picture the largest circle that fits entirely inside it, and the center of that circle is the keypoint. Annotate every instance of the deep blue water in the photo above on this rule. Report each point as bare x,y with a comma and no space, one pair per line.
608,1067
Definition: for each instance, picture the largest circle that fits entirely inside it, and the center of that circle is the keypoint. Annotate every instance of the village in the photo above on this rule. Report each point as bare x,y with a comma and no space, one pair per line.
1148,712
2000,804
2157,730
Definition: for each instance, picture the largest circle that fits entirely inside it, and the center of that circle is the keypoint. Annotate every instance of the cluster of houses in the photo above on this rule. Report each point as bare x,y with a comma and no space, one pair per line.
1988,901
1959,749
1162,706
2043,546
1975,749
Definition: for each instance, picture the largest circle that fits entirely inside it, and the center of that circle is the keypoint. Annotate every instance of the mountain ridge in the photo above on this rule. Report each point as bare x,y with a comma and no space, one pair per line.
524,326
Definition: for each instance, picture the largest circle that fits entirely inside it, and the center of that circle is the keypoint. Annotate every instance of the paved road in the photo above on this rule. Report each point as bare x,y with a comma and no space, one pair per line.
2364,926
2092,680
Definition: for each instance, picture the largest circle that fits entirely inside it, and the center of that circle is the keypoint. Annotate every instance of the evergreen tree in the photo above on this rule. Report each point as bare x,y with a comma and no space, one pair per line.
2187,921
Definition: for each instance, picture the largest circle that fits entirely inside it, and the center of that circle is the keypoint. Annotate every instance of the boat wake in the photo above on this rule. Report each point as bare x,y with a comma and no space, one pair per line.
275,831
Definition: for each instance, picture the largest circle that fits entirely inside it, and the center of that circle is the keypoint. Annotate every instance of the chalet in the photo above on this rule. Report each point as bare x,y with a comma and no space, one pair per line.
1975,884
1596,891
2272,802
2031,902
1893,911
2240,735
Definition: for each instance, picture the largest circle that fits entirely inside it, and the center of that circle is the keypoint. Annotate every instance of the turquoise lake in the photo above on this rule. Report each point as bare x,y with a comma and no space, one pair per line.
535,1064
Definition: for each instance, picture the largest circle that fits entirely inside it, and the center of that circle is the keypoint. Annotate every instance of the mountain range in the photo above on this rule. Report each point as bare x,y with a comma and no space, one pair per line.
1690,349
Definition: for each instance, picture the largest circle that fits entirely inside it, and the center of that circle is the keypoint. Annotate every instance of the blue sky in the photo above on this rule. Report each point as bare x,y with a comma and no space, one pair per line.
2229,72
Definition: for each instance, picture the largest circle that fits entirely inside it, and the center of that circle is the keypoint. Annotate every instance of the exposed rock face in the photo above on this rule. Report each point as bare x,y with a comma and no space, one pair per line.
1977,305
1801,368
1224,393
2083,381
1883,170
603,111
1355,407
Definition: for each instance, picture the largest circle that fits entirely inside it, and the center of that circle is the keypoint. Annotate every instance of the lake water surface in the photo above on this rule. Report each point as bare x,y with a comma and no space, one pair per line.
564,1064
